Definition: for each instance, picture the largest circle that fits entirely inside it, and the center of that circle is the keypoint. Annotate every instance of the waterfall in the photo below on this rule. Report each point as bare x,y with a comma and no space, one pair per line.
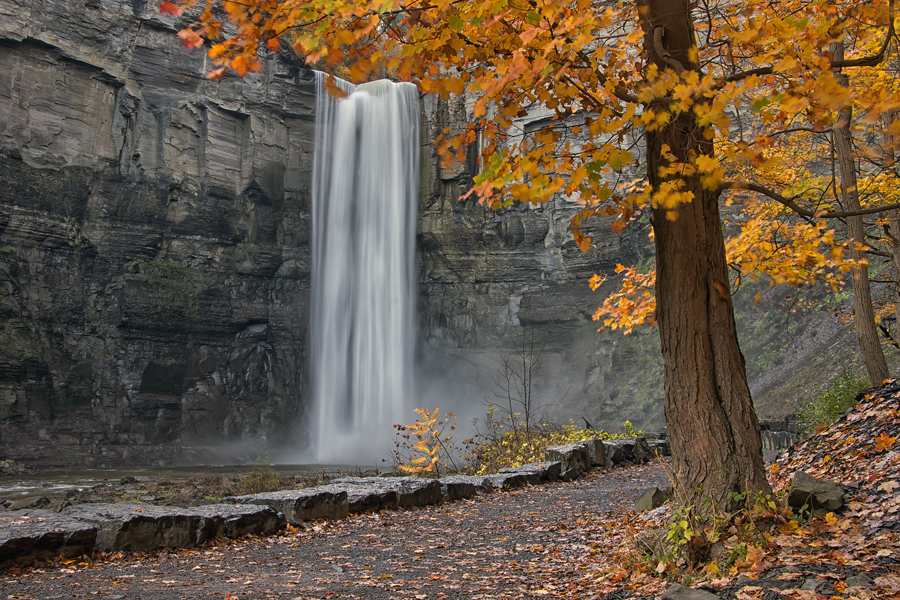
363,311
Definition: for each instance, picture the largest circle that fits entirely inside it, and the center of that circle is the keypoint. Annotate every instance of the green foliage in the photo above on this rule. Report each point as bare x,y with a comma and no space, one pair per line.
132,497
832,401
498,445
261,478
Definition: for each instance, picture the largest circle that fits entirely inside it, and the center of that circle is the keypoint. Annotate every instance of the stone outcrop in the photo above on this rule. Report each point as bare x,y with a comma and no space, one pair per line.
154,255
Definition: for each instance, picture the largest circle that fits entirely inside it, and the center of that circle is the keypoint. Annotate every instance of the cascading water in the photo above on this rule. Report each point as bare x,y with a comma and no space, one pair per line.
363,313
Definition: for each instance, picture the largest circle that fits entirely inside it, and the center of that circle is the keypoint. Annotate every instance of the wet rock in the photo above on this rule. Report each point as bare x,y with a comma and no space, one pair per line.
652,498
324,502
30,535
817,495
411,491
548,471
627,450
860,581
11,467
30,503
459,487
574,459
128,479
136,526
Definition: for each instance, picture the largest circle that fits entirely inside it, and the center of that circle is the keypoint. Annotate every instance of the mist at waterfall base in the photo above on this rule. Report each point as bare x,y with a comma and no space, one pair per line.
363,296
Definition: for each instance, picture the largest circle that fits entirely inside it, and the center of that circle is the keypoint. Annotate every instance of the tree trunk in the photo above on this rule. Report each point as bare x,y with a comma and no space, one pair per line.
894,241
866,330
714,431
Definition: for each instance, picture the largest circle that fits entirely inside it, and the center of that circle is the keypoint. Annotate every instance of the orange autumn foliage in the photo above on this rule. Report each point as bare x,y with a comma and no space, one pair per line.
765,90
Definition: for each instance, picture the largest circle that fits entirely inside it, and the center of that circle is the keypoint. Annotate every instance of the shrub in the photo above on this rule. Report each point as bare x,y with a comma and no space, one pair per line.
425,446
838,396
261,478
500,445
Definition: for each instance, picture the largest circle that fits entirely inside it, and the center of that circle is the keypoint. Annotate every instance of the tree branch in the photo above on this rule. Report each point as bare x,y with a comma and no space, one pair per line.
877,58
658,33
866,61
803,212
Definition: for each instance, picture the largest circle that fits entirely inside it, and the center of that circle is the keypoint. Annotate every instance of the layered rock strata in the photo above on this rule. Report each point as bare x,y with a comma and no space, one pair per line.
154,257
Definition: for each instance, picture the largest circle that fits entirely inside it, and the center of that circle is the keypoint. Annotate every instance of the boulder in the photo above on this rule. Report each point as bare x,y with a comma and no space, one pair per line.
627,450
411,491
596,452
659,447
817,495
30,535
548,471
30,503
509,481
574,459
652,498
236,520
324,502
136,526
458,487
366,498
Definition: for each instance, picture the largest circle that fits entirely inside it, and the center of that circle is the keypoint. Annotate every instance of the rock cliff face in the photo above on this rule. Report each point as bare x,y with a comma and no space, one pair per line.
493,279
153,240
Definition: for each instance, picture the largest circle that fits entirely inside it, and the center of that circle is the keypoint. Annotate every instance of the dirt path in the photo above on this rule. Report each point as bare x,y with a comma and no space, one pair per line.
532,542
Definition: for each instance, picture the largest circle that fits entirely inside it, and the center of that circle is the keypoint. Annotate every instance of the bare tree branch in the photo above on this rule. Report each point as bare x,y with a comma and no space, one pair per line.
804,212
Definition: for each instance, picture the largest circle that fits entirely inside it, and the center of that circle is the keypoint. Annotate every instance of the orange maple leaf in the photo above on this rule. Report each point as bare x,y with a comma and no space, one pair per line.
170,8
884,442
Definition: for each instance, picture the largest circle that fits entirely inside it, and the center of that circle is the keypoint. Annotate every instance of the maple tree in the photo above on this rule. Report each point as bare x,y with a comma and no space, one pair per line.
647,100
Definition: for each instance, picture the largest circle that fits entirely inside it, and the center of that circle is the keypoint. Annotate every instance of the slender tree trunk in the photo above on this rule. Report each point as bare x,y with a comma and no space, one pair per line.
894,241
866,330
714,431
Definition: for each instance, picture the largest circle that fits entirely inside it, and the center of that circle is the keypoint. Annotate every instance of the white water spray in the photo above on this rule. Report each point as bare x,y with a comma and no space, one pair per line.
363,313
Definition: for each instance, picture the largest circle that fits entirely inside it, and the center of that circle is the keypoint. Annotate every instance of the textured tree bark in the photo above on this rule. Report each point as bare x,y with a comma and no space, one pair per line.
894,223
866,330
714,430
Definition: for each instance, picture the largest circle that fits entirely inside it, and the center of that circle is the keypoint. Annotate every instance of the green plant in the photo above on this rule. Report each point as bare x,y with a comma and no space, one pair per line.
172,282
132,497
838,396
630,431
261,478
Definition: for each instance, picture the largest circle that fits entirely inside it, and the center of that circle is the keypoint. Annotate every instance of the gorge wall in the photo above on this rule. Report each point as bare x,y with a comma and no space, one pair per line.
154,258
